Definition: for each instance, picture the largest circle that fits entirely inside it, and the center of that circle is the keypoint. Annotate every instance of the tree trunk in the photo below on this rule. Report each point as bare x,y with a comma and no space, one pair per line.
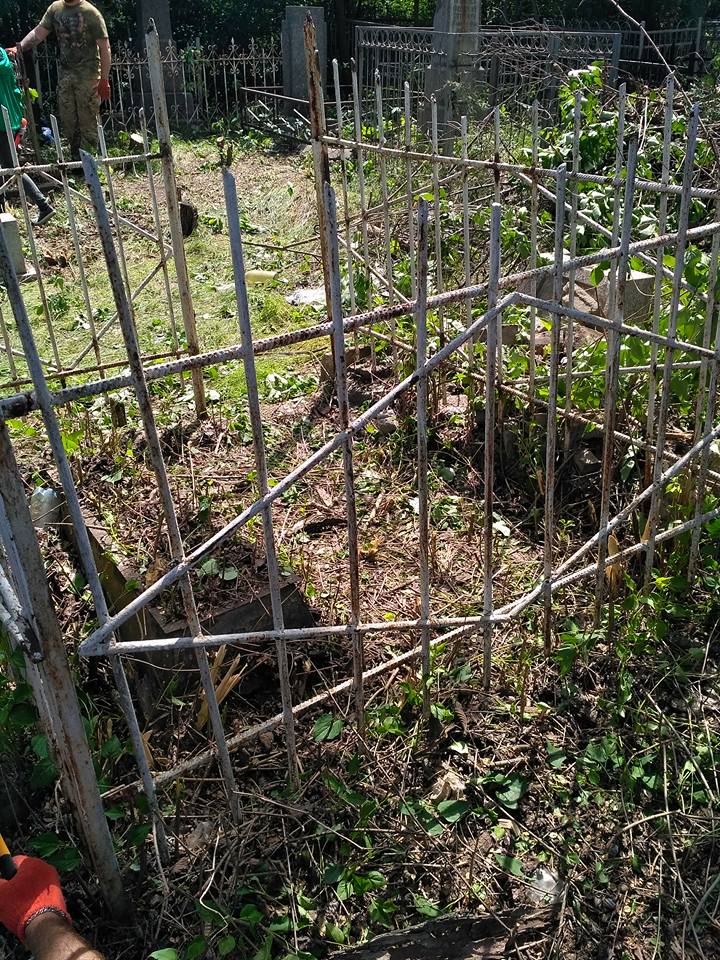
459,938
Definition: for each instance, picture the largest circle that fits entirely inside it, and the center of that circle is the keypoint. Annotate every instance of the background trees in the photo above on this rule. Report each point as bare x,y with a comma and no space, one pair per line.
216,21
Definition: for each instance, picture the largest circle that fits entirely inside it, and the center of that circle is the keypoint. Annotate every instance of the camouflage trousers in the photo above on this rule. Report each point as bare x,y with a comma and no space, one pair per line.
79,109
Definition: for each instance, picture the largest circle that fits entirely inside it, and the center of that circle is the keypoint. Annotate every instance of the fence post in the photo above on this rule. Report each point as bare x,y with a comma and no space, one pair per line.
616,52
320,151
162,123
71,751
695,67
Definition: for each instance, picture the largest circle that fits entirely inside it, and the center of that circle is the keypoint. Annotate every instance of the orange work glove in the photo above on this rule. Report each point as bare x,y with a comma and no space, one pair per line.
103,89
34,889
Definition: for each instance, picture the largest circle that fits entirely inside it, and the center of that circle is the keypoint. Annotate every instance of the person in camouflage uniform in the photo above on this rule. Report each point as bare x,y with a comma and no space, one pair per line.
85,61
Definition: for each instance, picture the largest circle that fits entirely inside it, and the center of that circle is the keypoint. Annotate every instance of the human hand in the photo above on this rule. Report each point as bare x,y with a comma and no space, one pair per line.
34,890
103,89
12,51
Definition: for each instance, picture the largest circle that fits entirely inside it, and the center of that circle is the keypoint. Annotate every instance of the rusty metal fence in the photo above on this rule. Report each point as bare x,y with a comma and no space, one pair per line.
446,331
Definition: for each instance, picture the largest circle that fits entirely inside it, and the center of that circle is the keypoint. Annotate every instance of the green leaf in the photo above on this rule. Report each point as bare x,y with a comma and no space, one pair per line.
45,844
597,275
167,954
230,573
333,873
196,948
453,810
327,727
44,772
210,568
282,925
512,790
425,907
265,951
23,715
601,875
334,932
345,890
111,749
250,915
40,746
139,834
556,755
115,813
509,864
226,945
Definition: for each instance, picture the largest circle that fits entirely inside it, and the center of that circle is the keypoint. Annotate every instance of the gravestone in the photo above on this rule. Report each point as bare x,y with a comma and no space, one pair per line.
159,11
456,26
293,50
9,227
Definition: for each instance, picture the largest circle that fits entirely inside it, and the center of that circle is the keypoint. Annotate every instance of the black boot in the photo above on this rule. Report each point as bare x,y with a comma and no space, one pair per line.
45,212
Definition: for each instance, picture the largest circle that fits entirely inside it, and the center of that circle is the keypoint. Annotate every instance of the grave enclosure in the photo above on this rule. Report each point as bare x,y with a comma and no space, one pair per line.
431,184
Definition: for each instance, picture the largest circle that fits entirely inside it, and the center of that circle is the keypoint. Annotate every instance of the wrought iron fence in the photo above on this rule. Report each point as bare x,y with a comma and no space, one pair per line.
510,63
488,67
204,84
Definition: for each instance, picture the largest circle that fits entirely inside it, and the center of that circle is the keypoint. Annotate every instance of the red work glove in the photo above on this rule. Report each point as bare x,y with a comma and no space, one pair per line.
34,889
103,89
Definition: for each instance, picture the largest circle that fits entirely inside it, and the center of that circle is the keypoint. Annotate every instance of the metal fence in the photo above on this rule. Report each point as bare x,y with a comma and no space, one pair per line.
496,64
510,63
203,85
448,332
157,212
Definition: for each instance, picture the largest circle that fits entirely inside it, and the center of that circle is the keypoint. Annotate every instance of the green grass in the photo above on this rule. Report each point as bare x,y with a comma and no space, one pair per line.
278,212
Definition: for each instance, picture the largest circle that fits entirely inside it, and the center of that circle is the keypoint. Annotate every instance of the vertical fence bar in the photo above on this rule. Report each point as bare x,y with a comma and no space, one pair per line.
498,196
31,238
113,206
346,202
616,314
409,191
569,334
82,274
8,346
534,214
617,182
357,117
496,172
490,426
437,223
466,213
44,401
162,124
558,283
231,206
142,394
710,306
683,223
422,451
385,208
321,163
659,277
348,464
467,262
159,231
710,412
